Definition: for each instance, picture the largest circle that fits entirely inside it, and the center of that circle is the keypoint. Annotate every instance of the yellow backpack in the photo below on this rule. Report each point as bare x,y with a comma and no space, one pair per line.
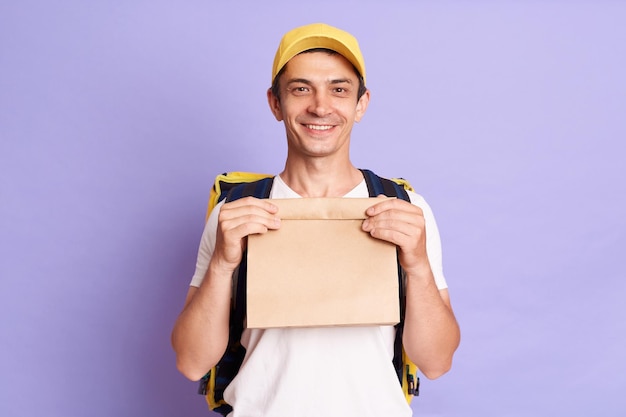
234,185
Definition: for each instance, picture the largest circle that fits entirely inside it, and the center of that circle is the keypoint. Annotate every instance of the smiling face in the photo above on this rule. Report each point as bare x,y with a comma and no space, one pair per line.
318,104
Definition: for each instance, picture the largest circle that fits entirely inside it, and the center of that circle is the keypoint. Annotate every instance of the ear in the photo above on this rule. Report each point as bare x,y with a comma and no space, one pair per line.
274,104
361,106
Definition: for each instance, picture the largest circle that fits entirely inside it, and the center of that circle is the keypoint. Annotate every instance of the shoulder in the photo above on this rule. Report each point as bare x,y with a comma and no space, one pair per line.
416,198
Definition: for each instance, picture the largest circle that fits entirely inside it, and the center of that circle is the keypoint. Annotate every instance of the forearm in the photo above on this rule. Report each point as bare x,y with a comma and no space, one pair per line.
200,334
431,333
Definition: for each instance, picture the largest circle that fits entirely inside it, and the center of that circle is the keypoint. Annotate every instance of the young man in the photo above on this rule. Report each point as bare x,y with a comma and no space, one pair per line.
318,92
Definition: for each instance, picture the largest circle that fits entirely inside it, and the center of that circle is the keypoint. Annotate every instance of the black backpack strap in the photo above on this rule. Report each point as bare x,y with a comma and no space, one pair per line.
258,189
376,186
228,366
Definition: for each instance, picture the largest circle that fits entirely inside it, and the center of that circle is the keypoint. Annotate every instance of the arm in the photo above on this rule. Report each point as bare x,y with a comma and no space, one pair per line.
431,333
200,334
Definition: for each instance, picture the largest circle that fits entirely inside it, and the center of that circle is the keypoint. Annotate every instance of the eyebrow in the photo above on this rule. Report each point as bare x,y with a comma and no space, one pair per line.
341,81
308,82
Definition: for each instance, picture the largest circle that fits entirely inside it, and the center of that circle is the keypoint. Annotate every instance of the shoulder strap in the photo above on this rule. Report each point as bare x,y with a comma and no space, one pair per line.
405,369
378,185
258,189
225,182
215,382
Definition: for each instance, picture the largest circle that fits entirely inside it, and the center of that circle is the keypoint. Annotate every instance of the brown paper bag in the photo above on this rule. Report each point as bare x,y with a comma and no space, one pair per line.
320,268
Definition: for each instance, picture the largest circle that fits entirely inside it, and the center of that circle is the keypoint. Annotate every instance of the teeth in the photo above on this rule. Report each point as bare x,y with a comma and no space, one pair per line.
318,127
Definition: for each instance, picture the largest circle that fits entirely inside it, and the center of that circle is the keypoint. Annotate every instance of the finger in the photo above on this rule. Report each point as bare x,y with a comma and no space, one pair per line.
401,219
256,211
396,237
249,222
397,228
392,204
260,203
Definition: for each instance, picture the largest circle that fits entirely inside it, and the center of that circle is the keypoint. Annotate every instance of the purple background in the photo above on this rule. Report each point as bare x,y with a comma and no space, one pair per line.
509,117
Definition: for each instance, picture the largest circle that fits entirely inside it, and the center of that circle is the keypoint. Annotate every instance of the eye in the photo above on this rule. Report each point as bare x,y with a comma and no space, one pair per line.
341,91
299,90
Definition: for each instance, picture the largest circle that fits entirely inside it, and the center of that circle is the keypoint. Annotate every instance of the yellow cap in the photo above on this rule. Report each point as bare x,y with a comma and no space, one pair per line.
318,35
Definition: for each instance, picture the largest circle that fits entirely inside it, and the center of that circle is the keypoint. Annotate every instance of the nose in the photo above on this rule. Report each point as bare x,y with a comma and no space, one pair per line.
321,104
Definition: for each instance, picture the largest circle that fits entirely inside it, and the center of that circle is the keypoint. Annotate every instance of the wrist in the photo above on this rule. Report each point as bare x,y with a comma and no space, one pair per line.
220,270
420,271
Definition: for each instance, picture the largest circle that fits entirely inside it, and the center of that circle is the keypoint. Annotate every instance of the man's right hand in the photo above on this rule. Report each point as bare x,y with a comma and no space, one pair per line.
236,221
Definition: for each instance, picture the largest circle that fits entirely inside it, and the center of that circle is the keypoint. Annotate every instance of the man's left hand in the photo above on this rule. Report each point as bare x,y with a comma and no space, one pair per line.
401,223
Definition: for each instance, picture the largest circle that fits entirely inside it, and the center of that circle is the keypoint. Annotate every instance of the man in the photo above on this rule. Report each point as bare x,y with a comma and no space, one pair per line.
318,92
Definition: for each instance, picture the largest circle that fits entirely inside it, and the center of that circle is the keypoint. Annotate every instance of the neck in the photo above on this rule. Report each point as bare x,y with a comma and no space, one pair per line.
321,178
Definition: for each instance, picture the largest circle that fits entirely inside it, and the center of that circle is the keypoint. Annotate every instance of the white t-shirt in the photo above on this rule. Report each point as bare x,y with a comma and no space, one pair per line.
329,371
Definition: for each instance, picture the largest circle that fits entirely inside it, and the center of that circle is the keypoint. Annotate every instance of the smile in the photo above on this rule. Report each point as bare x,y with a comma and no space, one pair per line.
319,127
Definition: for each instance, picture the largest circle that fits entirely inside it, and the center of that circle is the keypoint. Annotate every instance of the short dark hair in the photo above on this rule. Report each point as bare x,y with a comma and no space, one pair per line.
276,88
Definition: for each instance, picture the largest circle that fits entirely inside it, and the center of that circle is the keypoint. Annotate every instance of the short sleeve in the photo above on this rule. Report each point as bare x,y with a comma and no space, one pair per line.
207,246
433,240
